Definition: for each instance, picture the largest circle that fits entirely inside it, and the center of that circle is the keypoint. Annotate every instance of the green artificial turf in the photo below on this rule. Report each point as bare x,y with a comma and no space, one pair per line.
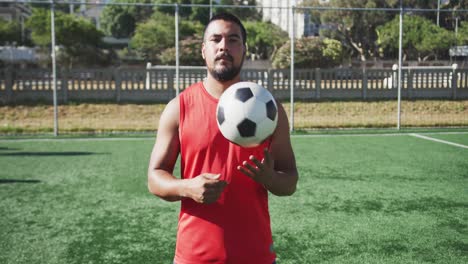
360,199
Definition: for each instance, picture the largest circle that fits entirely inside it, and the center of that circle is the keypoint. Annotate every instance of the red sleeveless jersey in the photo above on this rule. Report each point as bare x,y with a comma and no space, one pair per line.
235,229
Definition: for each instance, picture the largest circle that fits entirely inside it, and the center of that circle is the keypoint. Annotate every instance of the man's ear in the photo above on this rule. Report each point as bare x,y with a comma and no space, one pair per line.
203,50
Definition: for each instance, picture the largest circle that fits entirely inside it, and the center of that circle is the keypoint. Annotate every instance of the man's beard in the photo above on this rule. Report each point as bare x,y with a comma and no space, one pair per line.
227,73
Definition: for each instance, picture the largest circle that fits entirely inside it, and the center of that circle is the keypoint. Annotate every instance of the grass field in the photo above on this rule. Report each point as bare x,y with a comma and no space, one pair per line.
361,199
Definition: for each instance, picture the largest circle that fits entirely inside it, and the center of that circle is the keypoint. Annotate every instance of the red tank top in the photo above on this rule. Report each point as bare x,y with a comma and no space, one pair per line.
235,229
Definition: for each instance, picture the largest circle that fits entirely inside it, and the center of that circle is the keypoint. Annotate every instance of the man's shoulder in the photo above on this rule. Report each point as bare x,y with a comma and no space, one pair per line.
191,92
194,86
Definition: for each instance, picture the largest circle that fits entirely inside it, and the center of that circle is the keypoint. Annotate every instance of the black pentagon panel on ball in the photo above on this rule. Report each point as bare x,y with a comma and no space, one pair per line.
220,115
244,94
247,128
271,110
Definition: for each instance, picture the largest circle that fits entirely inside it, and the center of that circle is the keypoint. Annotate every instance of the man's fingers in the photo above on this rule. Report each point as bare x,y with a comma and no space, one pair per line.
245,171
211,176
267,156
259,164
250,167
212,194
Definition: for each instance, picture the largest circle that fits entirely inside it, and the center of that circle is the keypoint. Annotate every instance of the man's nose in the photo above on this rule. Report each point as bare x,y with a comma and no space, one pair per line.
223,44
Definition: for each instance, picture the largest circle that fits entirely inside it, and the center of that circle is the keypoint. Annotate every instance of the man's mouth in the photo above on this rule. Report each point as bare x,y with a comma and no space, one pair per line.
225,57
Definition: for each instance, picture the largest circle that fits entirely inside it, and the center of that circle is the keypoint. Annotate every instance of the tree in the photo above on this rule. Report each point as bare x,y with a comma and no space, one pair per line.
454,18
462,36
79,40
201,14
422,38
189,52
184,11
310,52
10,32
158,34
264,39
120,20
355,29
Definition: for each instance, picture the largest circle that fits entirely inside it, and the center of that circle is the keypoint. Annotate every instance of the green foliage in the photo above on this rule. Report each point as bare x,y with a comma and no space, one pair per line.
311,52
355,29
201,14
184,11
39,24
421,37
158,34
120,20
333,50
70,30
189,53
117,21
462,35
264,38
78,39
188,28
10,32
153,36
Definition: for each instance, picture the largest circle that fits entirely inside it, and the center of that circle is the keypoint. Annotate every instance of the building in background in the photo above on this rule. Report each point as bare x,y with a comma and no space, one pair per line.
278,13
18,12
14,11
90,9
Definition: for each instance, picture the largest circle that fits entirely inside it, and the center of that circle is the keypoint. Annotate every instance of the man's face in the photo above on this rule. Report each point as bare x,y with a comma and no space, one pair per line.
223,50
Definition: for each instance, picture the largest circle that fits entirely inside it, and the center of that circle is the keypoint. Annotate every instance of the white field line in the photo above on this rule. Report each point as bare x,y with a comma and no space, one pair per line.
153,138
439,141
75,139
379,135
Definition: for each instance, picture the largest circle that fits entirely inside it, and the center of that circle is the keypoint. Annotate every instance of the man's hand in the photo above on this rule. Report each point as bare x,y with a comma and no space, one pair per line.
206,188
260,171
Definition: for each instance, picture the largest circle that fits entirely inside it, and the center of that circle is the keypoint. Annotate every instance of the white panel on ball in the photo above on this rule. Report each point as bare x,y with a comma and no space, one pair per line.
247,114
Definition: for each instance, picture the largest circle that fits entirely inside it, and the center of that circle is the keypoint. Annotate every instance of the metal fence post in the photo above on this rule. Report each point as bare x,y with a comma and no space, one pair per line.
148,76
8,85
318,83
394,78
269,79
118,84
410,82
64,85
454,80
364,84
170,83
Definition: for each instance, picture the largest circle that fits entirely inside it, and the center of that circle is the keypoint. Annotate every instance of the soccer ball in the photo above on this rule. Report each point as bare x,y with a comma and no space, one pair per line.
246,114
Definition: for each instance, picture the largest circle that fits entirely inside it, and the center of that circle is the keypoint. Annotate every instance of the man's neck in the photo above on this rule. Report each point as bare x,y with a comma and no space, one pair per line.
215,88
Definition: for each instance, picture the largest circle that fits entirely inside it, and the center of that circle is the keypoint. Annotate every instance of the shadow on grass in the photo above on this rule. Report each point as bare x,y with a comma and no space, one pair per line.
65,153
425,204
311,247
319,250
7,181
7,148
110,238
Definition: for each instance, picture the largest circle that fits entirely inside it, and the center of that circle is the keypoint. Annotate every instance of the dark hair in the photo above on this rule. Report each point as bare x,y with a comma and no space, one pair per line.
231,18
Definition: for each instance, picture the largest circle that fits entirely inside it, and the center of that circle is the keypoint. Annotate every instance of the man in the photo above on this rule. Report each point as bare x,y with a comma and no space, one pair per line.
223,188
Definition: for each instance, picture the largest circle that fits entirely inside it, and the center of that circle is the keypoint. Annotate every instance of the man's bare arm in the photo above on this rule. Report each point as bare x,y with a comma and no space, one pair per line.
205,188
277,170
161,181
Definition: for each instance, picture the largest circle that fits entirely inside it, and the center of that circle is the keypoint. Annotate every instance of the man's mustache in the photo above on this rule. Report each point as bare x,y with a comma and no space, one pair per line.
224,56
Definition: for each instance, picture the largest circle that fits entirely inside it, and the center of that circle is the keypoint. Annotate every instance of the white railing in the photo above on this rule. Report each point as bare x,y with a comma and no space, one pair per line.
158,84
